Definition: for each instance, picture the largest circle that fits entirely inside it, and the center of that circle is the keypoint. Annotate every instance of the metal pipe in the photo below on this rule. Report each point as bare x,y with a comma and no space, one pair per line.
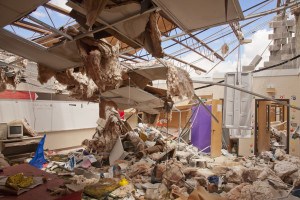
205,107
249,92
184,62
272,11
50,28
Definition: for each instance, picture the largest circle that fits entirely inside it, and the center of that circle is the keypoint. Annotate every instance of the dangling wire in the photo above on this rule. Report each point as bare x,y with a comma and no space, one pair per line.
238,67
129,94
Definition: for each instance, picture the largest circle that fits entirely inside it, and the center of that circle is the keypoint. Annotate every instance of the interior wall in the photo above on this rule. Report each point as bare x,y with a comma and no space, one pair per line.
65,139
286,86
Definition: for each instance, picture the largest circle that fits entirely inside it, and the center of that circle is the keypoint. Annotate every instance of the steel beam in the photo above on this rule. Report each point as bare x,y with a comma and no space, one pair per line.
186,46
297,2
48,27
206,46
184,62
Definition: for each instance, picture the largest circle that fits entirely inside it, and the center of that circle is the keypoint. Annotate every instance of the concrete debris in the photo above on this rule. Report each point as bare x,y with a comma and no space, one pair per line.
201,194
284,168
167,169
251,174
234,175
267,156
173,174
179,82
279,154
259,190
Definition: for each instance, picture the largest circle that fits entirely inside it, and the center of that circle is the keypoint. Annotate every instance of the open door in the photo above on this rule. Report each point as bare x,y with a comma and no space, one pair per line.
262,126
271,126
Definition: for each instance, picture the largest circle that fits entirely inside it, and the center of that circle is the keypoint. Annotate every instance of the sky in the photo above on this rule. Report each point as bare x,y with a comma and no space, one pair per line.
257,32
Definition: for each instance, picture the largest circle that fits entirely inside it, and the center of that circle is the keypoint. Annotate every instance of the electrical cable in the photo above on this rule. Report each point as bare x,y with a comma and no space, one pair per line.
255,71
276,65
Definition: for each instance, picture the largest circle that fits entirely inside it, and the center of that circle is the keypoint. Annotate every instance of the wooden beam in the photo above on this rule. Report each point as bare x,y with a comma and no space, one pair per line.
216,129
31,28
57,9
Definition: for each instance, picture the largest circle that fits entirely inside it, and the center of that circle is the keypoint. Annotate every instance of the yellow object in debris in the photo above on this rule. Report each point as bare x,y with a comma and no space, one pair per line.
143,136
18,181
123,182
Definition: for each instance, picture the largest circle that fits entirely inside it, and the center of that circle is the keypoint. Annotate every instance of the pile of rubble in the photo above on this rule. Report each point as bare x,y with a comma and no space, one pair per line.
145,163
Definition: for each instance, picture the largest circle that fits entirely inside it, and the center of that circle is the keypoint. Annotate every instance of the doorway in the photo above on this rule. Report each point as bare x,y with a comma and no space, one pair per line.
271,126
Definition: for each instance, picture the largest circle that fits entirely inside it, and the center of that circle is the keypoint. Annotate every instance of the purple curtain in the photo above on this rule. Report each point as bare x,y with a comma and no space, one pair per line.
201,128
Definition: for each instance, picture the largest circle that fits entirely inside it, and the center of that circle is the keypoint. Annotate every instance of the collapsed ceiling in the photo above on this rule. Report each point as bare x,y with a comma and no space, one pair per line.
95,55
137,24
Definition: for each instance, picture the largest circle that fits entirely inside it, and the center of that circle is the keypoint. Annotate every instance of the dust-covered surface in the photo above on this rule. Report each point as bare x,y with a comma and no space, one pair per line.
179,82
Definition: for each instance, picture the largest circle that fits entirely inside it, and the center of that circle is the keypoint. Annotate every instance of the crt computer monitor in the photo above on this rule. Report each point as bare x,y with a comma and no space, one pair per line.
15,131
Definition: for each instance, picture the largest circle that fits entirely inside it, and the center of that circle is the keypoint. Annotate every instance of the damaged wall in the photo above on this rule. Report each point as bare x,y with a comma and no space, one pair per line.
285,84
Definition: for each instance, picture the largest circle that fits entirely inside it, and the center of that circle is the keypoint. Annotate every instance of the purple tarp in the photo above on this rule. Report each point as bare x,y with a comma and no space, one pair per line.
201,128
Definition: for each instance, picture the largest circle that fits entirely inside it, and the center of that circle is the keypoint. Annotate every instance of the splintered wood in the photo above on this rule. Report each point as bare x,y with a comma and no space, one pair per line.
179,82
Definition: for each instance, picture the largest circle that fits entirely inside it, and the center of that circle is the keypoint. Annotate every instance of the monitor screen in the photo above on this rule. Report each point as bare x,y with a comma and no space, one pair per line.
15,130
